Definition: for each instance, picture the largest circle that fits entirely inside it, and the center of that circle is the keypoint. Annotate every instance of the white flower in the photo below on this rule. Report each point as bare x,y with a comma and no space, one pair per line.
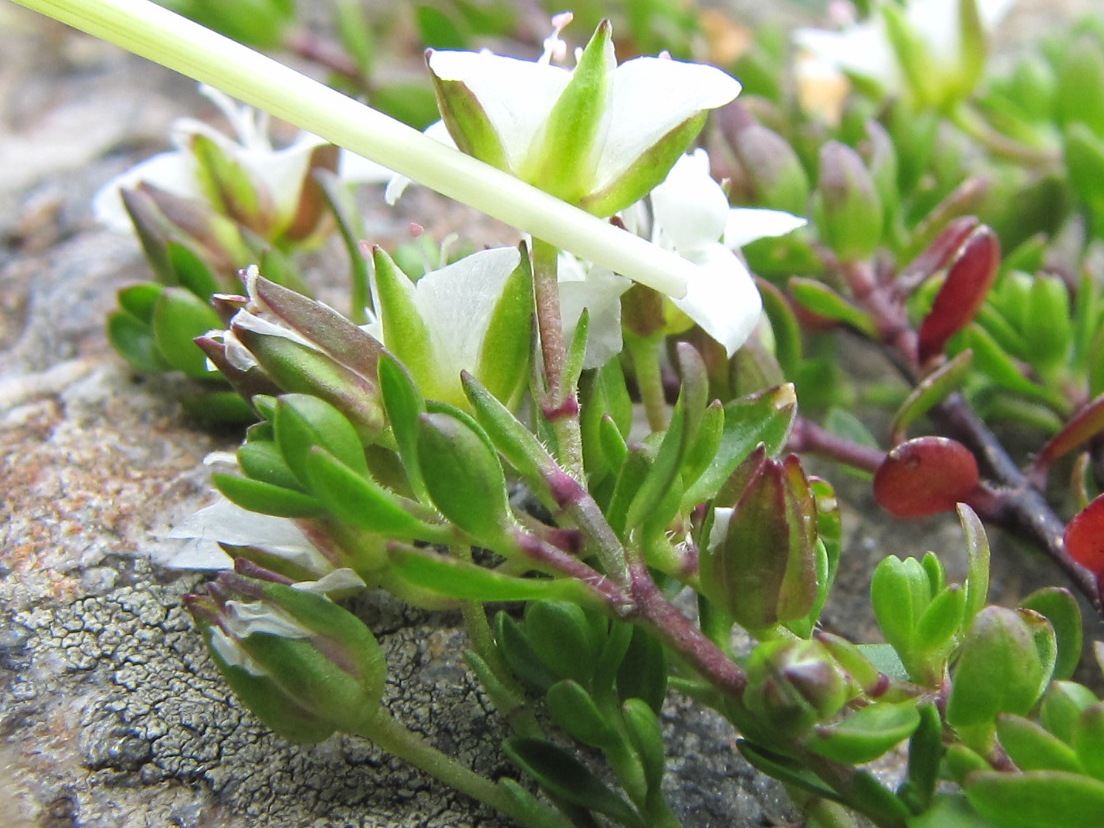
943,60
690,215
439,325
600,135
280,173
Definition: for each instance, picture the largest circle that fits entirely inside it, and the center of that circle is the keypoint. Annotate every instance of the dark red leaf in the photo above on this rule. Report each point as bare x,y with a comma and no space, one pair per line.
963,292
925,476
1083,426
938,254
1085,537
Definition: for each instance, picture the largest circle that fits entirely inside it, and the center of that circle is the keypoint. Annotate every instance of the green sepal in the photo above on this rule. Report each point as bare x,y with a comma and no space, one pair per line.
574,710
564,776
403,403
701,451
302,421
560,160
267,499
463,476
404,329
865,735
648,171
467,122
1033,748
179,316
1030,800
819,298
228,186
456,578
504,357
286,718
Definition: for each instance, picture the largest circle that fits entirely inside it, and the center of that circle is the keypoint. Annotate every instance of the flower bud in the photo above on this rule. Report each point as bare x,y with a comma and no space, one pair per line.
759,566
793,685
847,208
305,666
767,168
306,347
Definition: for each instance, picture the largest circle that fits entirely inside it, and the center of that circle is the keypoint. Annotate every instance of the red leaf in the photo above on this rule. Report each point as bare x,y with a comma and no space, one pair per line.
1085,537
963,292
925,476
1083,426
938,254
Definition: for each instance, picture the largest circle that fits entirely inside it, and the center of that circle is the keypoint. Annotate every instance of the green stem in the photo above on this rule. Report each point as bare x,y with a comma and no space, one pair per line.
153,32
560,403
400,741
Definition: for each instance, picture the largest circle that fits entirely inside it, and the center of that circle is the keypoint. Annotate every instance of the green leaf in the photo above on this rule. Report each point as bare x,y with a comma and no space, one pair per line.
504,358
302,422
785,770
574,710
817,297
1062,611
646,735
262,460
266,498
662,471
464,478
950,811
977,548
404,330
1088,737
178,318
765,417
1031,800
1062,706
886,660
520,654
925,753
564,776
932,390
999,670
192,272
134,340
466,581
1033,748
643,671
438,30
899,593
355,498
865,735
561,636
941,623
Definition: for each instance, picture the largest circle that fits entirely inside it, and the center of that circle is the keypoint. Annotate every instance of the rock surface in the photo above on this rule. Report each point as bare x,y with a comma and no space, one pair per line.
111,714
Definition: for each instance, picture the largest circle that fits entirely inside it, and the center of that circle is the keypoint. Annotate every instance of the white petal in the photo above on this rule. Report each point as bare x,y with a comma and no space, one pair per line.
282,172
649,97
231,652
172,171
456,303
516,95
862,50
722,298
244,618
337,581
356,169
599,291
722,516
690,207
747,224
